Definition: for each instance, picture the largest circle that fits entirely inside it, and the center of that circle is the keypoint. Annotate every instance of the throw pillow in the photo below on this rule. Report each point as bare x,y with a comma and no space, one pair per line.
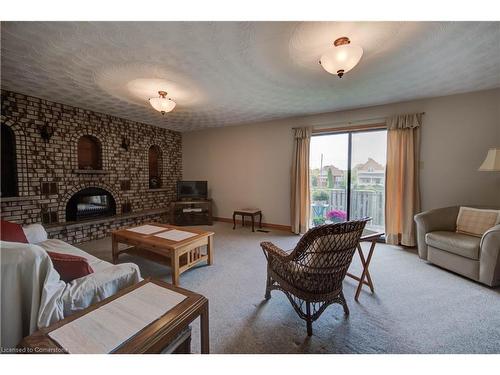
475,222
12,232
70,267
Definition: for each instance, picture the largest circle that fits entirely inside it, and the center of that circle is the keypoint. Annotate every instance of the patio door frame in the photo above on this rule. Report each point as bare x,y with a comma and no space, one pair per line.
349,131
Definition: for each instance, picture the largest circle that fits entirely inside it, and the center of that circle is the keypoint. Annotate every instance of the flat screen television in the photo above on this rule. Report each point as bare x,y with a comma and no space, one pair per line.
192,190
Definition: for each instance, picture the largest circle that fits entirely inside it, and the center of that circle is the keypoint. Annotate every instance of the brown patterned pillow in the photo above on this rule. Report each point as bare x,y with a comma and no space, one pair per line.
475,222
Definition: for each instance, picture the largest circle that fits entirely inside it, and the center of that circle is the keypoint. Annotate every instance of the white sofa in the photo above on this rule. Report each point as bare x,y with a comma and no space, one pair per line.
34,296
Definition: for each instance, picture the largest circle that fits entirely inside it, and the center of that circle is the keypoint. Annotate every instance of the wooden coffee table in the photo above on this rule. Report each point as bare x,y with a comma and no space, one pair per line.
153,338
179,255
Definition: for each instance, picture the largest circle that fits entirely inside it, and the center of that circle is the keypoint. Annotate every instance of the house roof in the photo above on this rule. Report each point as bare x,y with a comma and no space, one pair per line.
370,165
335,171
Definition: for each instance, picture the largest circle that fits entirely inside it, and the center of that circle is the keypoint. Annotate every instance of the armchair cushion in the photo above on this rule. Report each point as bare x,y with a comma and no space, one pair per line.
456,243
475,222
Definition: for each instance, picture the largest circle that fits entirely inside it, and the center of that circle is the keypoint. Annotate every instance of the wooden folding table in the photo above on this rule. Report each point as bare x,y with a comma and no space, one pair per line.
372,237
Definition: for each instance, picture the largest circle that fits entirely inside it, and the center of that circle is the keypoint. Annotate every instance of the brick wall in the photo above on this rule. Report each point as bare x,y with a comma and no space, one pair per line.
40,161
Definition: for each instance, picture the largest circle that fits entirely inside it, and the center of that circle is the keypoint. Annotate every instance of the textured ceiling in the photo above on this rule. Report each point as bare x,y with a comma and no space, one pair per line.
226,73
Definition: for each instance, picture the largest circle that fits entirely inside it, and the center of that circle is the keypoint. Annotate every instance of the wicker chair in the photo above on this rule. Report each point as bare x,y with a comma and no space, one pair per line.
311,275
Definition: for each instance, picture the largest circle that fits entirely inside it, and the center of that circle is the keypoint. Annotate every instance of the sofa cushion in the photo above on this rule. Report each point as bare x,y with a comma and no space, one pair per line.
475,222
58,246
70,267
12,232
456,243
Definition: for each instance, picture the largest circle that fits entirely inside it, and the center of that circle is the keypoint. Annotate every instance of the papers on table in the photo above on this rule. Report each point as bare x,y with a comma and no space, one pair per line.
146,229
172,235
175,235
104,329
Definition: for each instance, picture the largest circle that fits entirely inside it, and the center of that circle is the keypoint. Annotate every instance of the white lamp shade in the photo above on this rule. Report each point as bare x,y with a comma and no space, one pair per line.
492,161
162,105
341,58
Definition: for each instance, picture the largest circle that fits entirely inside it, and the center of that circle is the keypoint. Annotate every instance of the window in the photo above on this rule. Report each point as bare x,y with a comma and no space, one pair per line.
155,167
358,159
89,153
9,169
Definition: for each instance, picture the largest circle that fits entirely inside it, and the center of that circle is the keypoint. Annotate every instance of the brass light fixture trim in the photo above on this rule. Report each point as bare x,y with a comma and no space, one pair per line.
341,41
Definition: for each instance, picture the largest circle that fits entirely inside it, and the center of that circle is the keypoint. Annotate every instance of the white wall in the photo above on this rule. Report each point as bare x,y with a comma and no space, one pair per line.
249,165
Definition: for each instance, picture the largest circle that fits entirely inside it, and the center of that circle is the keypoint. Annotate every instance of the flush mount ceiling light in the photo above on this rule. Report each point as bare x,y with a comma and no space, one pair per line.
162,104
342,57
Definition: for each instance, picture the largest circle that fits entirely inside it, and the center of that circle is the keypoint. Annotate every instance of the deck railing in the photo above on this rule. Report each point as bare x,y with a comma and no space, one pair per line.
364,202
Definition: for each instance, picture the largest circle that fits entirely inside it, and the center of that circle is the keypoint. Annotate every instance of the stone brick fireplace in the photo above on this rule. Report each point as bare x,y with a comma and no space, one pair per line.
92,175
90,203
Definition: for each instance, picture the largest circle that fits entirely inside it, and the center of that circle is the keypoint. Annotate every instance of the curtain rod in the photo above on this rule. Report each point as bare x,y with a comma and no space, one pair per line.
354,122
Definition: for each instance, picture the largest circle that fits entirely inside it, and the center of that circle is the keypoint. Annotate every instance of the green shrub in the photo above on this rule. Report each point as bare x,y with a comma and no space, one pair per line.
320,195
318,220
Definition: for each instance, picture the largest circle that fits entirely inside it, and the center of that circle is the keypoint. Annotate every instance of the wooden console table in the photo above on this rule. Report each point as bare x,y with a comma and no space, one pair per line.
372,237
195,212
153,338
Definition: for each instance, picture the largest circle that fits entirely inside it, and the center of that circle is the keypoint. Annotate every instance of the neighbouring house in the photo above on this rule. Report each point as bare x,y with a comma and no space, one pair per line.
370,173
331,177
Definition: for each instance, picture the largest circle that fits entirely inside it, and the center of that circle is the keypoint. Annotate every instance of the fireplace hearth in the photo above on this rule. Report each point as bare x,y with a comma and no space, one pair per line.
90,203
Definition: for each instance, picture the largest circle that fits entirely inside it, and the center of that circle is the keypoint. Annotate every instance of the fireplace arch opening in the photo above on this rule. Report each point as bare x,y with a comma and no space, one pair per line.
90,203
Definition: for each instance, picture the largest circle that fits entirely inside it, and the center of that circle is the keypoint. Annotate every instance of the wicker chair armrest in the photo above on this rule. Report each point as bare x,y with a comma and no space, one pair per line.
272,250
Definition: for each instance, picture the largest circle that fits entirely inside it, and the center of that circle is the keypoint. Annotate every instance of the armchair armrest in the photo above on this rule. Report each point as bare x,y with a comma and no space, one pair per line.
439,219
274,251
489,257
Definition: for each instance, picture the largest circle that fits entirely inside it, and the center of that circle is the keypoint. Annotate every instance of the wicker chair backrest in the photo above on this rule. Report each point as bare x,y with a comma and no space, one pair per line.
321,258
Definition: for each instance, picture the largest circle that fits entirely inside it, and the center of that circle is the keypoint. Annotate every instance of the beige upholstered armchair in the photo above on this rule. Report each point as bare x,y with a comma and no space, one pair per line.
477,258
311,275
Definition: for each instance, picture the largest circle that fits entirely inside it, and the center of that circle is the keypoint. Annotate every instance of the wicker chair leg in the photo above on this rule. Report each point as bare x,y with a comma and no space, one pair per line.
309,319
268,288
343,302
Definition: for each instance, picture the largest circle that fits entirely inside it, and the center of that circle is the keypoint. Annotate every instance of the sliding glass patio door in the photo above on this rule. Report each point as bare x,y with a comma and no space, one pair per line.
348,177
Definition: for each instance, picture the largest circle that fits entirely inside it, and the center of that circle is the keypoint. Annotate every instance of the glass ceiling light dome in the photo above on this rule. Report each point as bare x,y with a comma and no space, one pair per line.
342,58
162,104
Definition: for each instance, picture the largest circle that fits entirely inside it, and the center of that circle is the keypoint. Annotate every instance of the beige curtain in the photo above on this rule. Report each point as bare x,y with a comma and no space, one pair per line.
300,181
402,178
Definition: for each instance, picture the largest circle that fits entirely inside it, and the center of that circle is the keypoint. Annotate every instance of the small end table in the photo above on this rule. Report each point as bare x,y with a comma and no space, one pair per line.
252,212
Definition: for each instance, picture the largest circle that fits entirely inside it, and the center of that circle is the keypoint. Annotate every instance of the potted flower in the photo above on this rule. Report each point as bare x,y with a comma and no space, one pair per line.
336,216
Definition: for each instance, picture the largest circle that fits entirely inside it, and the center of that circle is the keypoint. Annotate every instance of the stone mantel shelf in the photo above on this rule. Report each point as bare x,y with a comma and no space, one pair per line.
56,227
20,198
158,189
89,171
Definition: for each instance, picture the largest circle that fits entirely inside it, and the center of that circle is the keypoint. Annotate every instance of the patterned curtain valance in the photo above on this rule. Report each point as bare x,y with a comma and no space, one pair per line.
407,121
302,133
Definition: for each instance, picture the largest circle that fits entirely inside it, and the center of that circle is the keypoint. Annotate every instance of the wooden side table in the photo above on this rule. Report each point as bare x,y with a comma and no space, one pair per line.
252,213
153,338
365,262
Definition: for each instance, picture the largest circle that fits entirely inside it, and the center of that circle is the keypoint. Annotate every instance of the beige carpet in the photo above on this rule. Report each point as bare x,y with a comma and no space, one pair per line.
416,308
